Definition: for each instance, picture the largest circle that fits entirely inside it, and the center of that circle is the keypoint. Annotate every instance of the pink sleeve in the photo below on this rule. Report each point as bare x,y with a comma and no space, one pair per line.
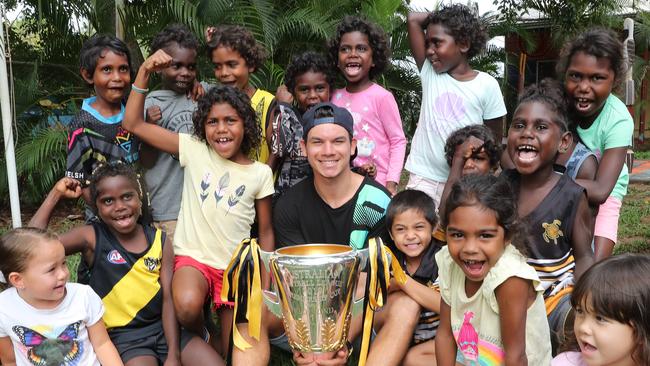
387,109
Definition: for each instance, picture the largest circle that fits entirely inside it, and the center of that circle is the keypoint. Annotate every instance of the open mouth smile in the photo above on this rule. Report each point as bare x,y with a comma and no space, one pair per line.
527,153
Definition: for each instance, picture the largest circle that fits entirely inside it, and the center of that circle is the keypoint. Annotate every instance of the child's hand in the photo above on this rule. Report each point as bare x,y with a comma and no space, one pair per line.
208,33
468,148
392,188
196,92
68,188
369,169
283,95
154,114
158,61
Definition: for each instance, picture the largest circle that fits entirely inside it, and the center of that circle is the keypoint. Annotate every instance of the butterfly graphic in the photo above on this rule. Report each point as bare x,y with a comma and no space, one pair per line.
45,351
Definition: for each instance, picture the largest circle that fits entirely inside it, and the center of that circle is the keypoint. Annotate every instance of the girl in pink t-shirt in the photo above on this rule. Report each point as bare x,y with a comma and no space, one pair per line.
359,49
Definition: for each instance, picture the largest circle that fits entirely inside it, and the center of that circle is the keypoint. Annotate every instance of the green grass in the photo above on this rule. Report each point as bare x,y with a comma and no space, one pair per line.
634,223
642,155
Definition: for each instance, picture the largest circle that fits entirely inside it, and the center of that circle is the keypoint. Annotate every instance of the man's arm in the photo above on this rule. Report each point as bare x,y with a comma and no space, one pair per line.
581,237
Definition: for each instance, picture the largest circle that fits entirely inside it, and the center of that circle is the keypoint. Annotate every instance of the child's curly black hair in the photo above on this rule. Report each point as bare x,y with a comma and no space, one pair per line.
241,40
174,33
93,48
495,194
113,169
241,103
463,25
305,62
376,38
481,132
551,93
597,42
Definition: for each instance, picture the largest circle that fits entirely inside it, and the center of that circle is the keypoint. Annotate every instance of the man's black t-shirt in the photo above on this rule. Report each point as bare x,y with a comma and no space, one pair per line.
302,217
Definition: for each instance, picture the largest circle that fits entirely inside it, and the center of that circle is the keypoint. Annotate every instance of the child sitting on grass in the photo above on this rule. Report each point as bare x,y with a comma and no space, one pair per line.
411,217
553,207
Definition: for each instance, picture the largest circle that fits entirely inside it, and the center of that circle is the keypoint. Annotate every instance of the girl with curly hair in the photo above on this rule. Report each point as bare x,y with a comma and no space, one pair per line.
235,54
224,191
592,66
453,94
360,51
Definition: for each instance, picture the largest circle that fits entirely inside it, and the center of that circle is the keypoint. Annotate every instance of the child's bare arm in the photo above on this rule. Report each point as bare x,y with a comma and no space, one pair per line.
79,239
445,342
265,225
170,324
581,237
513,307
607,174
104,348
414,24
425,296
7,355
496,126
152,134
588,169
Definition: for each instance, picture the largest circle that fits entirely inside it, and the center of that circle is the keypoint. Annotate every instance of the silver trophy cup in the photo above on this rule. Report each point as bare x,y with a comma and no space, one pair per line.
315,288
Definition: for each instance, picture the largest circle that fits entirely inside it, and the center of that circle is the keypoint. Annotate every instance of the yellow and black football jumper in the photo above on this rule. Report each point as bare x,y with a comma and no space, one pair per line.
550,251
129,285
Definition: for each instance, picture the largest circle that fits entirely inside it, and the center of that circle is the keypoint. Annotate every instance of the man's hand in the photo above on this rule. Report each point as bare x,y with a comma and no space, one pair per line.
68,188
154,114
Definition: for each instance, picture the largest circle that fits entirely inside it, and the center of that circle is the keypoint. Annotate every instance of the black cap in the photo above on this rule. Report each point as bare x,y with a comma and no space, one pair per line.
342,117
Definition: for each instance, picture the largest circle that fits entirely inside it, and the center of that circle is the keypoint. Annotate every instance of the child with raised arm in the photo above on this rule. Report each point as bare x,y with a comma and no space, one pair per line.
170,108
131,268
453,94
611,323
235,54
592,65
360,51
224,191
553,207
411,218
492,310
44,320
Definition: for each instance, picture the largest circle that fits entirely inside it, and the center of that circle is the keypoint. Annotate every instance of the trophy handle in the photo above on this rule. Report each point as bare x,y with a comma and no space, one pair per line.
266,259
274,306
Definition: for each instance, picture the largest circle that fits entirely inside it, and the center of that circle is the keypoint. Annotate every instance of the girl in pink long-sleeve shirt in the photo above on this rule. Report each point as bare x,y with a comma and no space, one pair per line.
360,51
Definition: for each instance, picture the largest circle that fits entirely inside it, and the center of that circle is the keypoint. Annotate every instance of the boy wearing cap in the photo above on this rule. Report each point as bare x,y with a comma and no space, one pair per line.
335,206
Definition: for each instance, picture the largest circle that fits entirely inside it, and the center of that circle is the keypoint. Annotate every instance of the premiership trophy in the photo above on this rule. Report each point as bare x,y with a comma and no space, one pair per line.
315,286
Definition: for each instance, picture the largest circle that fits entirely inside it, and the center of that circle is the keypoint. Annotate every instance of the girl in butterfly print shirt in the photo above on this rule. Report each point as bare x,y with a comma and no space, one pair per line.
43,319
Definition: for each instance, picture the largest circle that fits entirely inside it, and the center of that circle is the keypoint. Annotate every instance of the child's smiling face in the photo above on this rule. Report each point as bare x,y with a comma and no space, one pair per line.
230,67
475,240
442,50
118,203
224,132
534,138
588,81
411,233
111,77
311,88
355,58
180,75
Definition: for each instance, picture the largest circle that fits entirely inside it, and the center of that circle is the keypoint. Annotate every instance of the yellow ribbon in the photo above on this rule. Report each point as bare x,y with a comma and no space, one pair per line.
237,265
374,294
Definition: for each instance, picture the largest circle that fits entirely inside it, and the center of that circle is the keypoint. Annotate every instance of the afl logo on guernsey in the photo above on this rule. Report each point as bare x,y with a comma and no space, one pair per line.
115,257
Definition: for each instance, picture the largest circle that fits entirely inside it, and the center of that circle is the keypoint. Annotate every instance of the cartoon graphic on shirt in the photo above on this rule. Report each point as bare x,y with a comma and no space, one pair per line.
468,339
44,351
365,147
552,231
234,198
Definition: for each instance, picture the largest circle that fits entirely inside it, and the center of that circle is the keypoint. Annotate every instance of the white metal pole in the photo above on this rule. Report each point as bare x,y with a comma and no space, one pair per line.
7,131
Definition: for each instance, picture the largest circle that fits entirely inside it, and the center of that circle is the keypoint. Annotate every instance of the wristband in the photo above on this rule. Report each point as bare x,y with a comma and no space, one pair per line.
139,90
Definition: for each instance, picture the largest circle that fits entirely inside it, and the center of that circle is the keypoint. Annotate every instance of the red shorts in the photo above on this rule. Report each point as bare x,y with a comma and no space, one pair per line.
213,276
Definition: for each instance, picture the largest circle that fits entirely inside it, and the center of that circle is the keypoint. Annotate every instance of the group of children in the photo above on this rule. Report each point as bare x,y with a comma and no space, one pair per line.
501,274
